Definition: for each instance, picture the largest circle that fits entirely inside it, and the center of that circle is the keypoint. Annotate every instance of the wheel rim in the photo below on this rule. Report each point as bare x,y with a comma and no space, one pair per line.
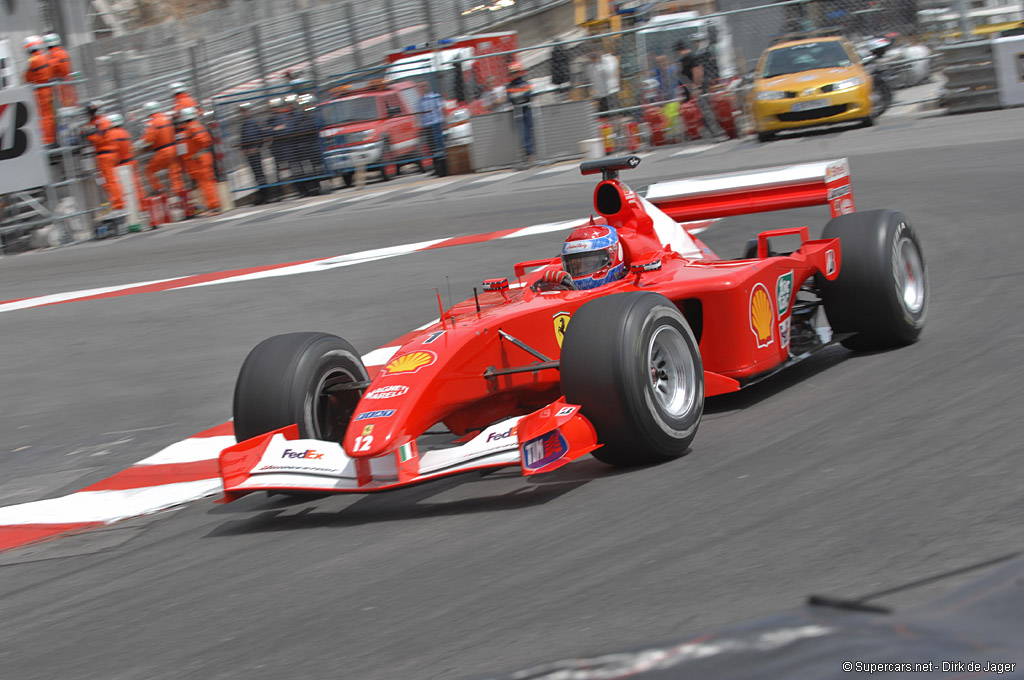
672,372
332,409
910,275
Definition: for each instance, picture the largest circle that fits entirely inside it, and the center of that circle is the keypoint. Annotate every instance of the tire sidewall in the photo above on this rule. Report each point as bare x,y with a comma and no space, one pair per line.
661,429
321,360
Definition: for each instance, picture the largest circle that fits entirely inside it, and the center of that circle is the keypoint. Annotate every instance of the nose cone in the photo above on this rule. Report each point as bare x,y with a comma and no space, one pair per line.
370,434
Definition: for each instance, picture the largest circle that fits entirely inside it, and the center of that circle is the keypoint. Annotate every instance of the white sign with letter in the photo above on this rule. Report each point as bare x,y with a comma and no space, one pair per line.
23,162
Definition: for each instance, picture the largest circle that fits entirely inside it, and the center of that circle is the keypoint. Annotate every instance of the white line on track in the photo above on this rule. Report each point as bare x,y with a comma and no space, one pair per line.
241,215
557,168
434,185
493,178
694,149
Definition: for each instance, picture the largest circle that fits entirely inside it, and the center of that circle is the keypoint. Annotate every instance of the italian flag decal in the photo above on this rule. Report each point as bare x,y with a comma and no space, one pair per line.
405,453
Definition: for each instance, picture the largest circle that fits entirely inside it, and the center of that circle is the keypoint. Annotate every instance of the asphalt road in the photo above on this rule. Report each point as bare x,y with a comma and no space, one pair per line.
850,474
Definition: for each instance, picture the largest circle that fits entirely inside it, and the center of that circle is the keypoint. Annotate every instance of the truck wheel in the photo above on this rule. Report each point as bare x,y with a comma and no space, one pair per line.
632,363
881,293
298,378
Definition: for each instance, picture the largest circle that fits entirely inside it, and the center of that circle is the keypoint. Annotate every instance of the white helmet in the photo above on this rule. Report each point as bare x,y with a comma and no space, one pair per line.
151,107
116,119
178,87
189,113
52,40
33,43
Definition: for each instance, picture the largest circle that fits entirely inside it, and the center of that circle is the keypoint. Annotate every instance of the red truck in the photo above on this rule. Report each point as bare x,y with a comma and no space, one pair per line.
461,70
376,127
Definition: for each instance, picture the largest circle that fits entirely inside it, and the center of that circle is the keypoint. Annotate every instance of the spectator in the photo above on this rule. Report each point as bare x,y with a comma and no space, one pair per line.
603,73
519,94
666,76
282,126
251,136
707,63
309,166
432,120
689,72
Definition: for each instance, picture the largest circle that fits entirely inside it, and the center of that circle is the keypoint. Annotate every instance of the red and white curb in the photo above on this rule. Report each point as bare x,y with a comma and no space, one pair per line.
183,472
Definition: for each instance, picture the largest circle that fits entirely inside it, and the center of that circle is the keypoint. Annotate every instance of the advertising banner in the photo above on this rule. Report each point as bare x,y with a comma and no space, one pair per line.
23,162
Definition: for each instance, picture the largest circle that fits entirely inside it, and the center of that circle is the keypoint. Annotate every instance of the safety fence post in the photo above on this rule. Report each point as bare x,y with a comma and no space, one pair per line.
116,72
460,21
354,33
389,9
307,34
261,62
194,61
431,29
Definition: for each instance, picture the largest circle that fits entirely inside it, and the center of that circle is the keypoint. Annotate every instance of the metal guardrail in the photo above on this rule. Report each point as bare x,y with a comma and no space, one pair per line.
970,77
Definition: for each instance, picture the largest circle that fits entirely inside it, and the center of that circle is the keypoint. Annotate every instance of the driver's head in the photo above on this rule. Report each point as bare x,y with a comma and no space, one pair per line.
593,256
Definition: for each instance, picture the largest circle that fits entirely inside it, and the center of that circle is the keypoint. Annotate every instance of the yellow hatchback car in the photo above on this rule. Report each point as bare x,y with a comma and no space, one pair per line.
804,83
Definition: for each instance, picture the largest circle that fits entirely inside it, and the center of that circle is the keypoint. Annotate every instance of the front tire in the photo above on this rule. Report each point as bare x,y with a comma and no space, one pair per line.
632,363
881,293
298,378
763,137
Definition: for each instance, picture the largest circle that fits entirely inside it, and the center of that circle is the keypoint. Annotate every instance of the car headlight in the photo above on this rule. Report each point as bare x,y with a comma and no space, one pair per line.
766,95
847,84
363,136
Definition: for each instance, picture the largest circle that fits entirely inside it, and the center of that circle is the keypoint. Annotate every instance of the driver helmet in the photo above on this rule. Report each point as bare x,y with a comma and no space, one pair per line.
593,256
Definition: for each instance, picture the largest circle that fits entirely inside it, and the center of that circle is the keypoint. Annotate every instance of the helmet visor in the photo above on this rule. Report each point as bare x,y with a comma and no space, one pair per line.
585,263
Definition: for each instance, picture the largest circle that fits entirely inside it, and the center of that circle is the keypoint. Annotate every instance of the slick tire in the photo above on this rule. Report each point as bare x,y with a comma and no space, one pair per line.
633,365
881,293
763,137
293,379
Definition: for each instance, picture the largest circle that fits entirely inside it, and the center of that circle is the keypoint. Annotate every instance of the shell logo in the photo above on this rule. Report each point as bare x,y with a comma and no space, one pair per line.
762,317
410,362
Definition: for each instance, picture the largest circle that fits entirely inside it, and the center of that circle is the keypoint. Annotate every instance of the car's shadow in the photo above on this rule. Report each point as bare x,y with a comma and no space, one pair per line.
288,513
497,491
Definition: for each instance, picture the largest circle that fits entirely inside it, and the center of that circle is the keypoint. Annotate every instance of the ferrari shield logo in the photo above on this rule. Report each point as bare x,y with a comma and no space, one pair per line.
561,323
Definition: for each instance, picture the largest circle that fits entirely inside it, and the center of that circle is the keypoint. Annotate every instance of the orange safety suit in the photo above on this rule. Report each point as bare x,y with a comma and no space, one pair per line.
121,140
199,162
106,159
159,137
183,100
40,72
60,62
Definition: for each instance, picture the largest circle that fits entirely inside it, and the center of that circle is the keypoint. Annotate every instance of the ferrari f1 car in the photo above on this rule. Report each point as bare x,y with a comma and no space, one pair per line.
539,372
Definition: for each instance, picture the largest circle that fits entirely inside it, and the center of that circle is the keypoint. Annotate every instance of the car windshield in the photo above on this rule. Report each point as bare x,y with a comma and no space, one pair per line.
804,57
350,110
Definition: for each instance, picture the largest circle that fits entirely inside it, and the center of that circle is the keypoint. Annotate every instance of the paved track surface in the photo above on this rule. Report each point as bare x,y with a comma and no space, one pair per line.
850,474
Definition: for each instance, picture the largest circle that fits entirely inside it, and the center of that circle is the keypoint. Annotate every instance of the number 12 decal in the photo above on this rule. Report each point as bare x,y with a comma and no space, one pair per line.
363,442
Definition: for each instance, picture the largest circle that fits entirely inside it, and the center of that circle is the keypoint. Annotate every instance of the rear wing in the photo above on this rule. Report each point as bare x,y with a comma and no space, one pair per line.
753,191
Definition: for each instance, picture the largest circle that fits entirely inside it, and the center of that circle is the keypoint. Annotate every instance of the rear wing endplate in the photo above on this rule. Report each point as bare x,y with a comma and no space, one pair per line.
753,191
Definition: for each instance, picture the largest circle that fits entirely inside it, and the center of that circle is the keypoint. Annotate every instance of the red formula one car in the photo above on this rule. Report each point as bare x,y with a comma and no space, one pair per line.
537,373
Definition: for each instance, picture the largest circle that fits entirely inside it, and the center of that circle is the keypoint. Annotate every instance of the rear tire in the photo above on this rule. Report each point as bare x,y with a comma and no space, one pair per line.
286,379
881,293
763,137
632,363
